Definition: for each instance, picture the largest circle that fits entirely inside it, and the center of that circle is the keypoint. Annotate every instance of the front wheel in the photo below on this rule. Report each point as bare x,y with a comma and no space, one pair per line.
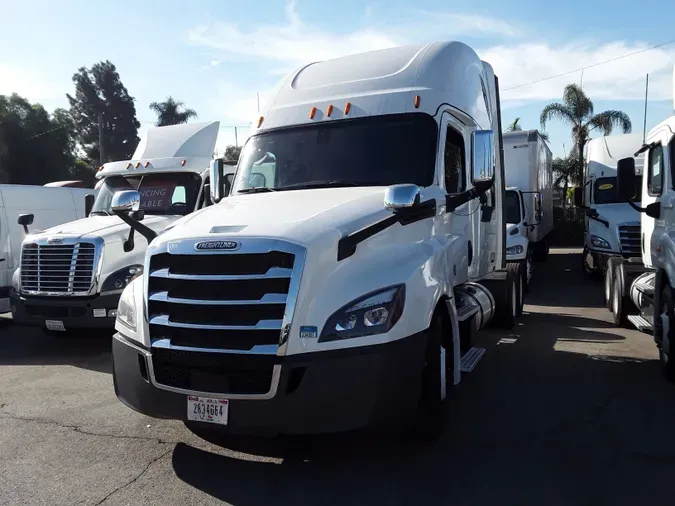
436,375
516,270
609,280
665,350
620,304
506,311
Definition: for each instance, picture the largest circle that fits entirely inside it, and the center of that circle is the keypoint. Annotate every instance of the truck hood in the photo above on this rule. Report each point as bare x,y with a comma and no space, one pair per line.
617,213
294,215
110,228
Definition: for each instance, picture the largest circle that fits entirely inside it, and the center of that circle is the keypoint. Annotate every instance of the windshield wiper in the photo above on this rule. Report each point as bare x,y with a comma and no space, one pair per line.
321,184
261,189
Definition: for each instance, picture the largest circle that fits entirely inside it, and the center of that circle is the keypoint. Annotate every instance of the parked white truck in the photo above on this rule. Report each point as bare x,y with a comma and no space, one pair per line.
528,164
650,286
344,289
611,225
71,276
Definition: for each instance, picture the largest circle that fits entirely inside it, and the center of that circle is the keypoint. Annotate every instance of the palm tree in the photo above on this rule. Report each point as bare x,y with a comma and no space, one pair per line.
576,109
565,173
514,126
168,112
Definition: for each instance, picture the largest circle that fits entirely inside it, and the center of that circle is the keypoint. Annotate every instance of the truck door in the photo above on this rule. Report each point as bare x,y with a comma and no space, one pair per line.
653,191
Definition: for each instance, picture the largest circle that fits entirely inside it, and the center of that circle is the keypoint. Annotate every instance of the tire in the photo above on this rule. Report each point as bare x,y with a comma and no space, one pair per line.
608,280
516,270
507,305
589,273
620,304
666,357
528,270
540,250
430,420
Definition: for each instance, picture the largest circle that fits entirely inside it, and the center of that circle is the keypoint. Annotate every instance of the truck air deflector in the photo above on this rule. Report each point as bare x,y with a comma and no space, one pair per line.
347,245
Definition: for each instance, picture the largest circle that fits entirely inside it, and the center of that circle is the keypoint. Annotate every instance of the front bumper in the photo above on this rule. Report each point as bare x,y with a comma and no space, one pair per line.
74,312
316,392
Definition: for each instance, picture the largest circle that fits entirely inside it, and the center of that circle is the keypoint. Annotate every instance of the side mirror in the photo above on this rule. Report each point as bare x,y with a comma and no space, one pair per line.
24,220
401,196
88,203
579,197
217,180
482,155
126,201
653,210
625,178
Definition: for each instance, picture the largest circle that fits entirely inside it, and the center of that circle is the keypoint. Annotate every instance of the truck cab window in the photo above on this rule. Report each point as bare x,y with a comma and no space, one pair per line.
453,161
375,151
671,160
655,170
512,207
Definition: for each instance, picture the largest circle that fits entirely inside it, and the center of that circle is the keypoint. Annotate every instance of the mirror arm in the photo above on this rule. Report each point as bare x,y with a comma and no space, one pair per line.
600,220
146,232
452,202
636,207
129,243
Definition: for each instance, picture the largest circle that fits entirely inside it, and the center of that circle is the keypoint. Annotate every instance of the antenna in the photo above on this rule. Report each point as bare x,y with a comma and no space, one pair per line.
644,127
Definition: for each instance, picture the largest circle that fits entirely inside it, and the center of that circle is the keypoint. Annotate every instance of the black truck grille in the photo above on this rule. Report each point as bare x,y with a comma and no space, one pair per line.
67,269
228,302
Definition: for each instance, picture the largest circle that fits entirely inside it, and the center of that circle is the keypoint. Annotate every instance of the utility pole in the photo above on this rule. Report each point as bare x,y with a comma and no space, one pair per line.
257,94
581,81
236,143
644,127
100,139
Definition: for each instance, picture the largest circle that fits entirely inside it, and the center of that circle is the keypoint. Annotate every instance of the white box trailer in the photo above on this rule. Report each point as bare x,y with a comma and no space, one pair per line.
528,164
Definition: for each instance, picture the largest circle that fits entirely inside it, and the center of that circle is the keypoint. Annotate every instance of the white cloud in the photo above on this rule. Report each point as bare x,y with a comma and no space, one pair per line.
275,49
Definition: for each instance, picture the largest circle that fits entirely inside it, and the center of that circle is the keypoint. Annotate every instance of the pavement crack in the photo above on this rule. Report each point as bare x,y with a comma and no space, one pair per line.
80,430
136,478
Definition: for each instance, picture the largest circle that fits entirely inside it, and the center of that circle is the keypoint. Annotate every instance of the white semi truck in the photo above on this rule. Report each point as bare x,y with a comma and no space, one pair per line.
71,275
528,164
648,289
341,282
611,225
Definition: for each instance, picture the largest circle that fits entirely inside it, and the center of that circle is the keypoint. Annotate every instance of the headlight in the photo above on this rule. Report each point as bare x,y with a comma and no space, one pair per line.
599,242
126,308
374,313
514,250
16,279
120,279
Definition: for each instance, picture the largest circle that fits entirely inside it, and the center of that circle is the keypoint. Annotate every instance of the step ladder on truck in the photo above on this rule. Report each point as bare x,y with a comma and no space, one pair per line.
342,281
649,290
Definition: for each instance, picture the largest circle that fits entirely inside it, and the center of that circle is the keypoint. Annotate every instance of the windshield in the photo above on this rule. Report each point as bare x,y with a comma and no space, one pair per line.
160,193
376,151
512,207
604,190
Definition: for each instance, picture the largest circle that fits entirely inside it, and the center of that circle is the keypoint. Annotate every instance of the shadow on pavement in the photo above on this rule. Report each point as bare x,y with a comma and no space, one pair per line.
22,345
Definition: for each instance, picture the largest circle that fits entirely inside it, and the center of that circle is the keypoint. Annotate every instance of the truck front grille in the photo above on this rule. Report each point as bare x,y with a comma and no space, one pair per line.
233,301
629,235
57,269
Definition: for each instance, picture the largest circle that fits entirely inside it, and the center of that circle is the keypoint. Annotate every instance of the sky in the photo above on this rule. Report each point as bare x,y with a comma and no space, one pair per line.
218,56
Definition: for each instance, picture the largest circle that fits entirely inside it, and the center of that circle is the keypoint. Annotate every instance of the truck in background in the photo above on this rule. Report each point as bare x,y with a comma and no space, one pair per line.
22,206
528,164
341,286
611,225
71,276
648,289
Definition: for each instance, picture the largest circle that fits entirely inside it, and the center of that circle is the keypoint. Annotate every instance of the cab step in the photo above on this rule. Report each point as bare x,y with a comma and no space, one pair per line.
471,359
645,287
640,323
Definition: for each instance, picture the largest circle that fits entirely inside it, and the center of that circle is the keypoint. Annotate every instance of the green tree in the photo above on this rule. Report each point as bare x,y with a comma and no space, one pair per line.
35,147
232,153
99,93
565,173
514,126
169,113
577,111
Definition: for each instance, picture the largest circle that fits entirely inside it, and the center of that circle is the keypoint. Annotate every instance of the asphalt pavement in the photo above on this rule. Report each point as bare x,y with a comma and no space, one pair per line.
564,410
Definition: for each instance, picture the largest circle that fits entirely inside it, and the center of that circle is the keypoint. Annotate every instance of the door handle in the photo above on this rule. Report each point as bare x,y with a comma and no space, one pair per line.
2,259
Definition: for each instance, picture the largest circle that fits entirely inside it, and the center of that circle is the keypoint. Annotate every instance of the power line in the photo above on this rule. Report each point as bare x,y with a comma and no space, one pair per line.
589,66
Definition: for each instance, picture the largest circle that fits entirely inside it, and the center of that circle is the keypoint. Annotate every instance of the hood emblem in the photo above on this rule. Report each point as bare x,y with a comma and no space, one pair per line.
217,245
55,240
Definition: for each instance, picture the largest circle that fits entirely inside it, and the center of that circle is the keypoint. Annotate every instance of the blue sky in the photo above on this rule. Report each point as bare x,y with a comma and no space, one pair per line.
216,54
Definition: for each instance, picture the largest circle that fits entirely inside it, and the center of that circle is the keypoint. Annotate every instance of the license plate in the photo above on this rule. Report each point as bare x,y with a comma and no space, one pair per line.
56,325
207,409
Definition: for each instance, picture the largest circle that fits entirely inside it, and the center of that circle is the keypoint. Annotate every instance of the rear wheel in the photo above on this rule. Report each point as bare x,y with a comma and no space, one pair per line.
436,375
507,305
540,250
528,270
